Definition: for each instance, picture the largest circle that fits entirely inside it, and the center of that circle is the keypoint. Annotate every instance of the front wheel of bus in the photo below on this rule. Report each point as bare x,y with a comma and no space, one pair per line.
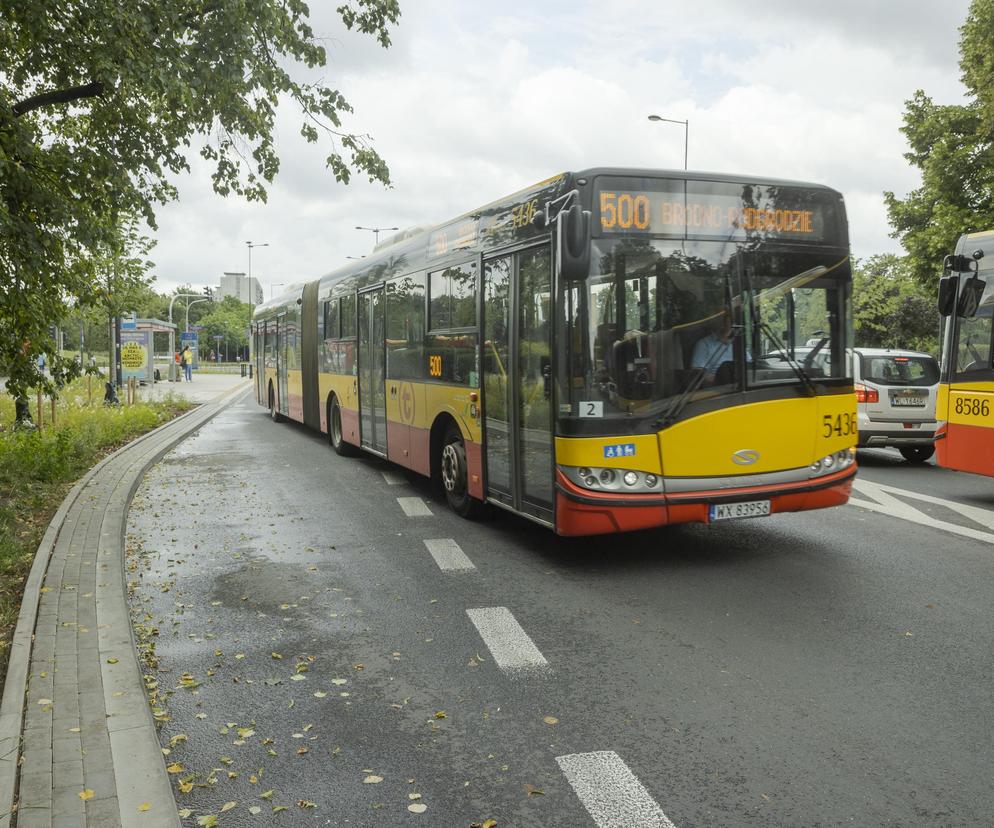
917,454
342,448
455,476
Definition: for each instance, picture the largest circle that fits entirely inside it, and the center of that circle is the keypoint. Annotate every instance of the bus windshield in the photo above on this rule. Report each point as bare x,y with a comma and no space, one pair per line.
660,323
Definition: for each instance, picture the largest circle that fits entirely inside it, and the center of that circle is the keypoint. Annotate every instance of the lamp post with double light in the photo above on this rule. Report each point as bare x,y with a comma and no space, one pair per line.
376,232
686,133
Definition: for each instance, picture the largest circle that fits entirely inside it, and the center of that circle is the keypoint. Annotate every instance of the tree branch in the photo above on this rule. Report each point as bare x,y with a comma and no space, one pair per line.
90,90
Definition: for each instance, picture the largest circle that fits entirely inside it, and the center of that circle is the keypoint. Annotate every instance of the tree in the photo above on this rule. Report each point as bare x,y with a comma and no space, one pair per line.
891,308
99,103
229,319
953,147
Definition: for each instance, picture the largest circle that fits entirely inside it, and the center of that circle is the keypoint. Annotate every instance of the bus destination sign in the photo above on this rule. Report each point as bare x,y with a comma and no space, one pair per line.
722,215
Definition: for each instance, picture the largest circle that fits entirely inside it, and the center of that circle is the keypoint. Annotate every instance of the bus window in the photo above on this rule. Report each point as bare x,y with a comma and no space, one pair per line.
450,352
974,334
453,298
348,316
331,322
405,327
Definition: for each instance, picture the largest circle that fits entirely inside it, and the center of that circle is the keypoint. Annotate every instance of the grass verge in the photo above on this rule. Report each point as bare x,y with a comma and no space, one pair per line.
37,470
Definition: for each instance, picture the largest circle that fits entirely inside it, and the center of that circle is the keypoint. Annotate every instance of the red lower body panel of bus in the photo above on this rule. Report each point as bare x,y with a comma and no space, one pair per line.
581,512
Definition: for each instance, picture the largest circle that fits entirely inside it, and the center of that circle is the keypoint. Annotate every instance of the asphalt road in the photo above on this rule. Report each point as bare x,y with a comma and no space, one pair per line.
819,669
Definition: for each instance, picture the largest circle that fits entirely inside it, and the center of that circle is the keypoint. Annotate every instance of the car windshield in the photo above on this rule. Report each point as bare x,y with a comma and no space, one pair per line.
660,322
899,370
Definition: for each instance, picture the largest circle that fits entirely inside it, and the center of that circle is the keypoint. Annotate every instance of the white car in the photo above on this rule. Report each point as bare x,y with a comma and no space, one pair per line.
895,396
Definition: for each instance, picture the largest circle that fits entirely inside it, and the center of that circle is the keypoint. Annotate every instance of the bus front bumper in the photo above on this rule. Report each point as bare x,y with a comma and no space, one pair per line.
583,512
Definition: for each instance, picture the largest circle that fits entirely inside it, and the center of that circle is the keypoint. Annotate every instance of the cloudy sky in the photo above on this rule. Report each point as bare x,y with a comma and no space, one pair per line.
476,100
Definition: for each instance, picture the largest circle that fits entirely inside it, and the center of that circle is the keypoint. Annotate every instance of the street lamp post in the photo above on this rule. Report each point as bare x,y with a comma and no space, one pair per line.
250,245
252,287
173,373
194,302
376,232
686,133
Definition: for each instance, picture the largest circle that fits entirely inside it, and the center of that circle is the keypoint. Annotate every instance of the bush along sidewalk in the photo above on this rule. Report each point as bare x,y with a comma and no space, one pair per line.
39,467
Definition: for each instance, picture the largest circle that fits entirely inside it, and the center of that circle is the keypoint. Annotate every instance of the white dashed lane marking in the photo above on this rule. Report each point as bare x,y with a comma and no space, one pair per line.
393,479
448,555
414,507
510,645
610,792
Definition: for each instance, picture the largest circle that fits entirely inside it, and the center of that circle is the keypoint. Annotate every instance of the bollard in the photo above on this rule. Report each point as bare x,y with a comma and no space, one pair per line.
250,370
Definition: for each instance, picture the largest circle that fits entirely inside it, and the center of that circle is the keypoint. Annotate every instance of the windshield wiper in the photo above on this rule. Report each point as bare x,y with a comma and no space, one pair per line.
796,366
801,278
681,402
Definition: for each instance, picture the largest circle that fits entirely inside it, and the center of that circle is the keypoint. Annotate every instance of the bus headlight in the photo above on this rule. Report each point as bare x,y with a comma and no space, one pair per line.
629,481
833,462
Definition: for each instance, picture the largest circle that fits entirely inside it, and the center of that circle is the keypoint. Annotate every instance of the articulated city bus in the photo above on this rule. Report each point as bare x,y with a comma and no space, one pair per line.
965,405
607,350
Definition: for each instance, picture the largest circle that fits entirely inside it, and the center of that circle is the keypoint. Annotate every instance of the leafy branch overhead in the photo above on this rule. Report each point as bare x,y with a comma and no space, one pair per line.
953,148
100,104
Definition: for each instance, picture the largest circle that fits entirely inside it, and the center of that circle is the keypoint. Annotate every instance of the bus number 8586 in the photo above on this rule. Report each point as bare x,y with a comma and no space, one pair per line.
972,407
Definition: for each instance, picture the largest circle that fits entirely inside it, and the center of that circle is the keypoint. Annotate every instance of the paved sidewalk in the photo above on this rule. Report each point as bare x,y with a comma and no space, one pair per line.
74,701
203,388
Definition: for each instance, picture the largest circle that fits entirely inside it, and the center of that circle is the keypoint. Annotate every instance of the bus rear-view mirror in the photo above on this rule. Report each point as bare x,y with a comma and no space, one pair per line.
574,243
969,299
947,294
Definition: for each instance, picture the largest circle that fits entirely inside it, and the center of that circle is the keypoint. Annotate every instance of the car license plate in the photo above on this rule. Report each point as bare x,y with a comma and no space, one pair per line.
730,511
908,400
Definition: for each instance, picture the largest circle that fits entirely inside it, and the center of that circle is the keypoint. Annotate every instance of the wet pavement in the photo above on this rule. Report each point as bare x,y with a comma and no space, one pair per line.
313,653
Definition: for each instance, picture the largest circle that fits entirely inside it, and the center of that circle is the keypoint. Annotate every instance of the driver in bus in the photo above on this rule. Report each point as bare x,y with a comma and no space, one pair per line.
715,348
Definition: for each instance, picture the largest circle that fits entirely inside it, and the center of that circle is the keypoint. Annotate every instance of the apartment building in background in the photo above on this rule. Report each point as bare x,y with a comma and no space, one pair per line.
241,287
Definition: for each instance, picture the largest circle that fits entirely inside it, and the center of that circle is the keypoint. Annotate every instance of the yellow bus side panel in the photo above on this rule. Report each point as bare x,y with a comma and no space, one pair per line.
967,403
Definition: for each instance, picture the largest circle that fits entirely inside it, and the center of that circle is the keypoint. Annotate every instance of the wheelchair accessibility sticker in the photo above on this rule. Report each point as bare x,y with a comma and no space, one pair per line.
620,450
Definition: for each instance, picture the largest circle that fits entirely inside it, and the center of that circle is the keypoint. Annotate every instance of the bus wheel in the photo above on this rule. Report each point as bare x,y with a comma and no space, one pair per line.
273,411
917,454
455,476
335,437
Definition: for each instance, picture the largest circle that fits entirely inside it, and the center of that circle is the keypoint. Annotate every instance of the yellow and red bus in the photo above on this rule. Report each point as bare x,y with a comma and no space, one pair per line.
965,403
607,350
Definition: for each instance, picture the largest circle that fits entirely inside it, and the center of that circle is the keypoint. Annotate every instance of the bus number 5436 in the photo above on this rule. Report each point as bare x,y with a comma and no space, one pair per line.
840,425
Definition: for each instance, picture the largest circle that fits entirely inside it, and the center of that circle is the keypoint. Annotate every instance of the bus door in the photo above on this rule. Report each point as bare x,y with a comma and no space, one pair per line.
517,380
281,365
260,361
372,362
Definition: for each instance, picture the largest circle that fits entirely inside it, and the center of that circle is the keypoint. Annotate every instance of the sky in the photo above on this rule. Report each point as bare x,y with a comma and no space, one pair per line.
476,100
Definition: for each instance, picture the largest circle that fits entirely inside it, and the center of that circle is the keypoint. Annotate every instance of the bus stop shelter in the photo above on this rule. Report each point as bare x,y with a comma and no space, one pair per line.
137,347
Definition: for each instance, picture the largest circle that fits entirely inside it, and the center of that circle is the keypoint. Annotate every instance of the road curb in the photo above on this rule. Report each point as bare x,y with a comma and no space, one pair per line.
134,744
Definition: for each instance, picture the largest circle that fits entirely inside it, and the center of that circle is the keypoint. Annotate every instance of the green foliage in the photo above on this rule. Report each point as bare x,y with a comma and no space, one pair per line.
229,318
953,147
36,470
100,102
891,308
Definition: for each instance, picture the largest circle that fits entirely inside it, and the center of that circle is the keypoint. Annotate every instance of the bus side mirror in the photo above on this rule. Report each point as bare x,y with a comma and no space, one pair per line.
969,299
947,294
574,243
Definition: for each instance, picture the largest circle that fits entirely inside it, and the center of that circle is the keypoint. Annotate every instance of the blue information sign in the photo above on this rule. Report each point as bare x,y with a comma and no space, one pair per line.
191,338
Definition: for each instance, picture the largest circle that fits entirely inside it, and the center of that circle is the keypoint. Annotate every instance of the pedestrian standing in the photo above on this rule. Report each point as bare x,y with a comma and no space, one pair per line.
188,363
